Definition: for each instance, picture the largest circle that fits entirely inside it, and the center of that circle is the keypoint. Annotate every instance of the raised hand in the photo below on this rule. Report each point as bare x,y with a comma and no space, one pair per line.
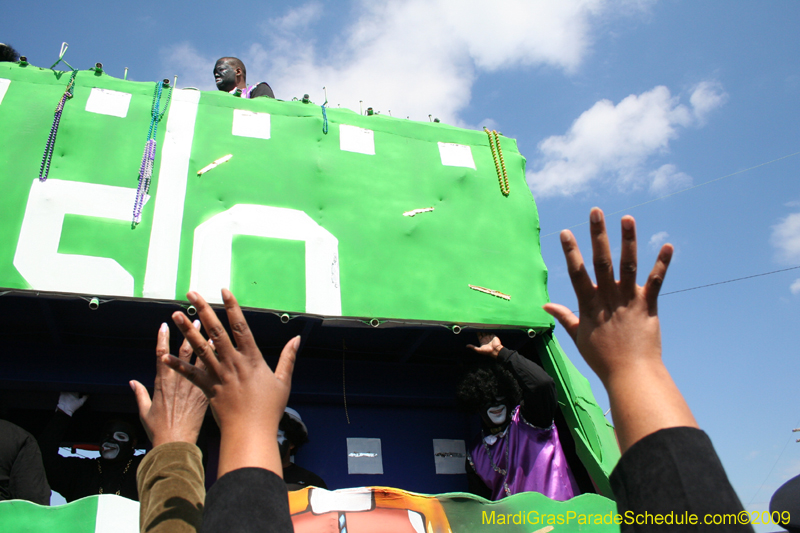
248,399
490,345
69,402
177,409
618,332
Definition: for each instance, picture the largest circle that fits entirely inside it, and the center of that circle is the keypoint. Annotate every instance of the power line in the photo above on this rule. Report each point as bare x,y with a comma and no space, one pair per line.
770,470
731,280
718,283
679,192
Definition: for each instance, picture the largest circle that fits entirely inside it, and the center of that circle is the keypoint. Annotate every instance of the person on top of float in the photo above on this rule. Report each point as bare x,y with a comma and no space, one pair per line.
230,75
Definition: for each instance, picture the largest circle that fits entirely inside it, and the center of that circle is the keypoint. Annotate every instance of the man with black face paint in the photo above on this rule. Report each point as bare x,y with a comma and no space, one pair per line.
518,449
292,434
114,472
230,75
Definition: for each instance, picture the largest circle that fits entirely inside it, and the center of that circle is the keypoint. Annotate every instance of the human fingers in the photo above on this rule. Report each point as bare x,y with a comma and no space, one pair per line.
601,253
478,349
142,397
162,348
656,278
581,282
186,350
484,338
195,375
199,344
143,402
285,368
214,328
484,349
628,262
162,340
565,317
241,331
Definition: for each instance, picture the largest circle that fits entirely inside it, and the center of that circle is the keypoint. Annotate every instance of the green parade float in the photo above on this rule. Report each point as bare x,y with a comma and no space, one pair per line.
378,239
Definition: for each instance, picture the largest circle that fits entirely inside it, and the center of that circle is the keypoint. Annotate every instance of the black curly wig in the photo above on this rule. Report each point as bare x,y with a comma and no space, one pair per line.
294,431
8,54
483,385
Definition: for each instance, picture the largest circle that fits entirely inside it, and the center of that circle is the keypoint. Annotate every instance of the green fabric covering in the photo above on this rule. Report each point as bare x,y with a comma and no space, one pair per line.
18,516
390,266
595,441
465,513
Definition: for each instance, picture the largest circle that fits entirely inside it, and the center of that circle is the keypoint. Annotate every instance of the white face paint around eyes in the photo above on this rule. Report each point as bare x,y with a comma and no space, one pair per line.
121,436
281,436
497,414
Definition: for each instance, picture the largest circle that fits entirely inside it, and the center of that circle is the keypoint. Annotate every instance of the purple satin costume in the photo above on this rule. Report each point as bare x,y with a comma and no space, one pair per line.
537,462
248,90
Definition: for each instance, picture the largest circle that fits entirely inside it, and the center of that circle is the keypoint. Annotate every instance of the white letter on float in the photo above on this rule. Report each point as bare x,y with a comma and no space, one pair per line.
37,258
212,252
161,276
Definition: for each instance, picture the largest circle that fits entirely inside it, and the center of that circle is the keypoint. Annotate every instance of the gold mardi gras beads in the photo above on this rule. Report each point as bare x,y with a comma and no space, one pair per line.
499,165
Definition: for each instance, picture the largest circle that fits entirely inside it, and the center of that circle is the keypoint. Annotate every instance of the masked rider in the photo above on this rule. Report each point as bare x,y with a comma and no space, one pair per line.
114,472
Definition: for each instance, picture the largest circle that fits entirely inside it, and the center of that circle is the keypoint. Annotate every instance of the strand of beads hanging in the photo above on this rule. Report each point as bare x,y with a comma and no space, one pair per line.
491,147
494,145
157,112
504,181
122,477
49,147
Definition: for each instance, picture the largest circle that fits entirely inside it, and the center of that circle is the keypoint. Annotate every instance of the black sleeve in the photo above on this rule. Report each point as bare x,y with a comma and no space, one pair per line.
262,89
247,499
674,470
62,472
22,475
539,400
475,484
28,479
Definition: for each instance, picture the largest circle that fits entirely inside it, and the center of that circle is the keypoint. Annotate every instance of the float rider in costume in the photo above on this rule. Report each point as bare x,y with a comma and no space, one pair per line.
292,434
114,472
230,75
518,449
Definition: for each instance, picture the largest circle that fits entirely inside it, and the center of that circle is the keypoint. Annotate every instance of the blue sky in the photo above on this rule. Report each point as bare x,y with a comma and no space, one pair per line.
613,103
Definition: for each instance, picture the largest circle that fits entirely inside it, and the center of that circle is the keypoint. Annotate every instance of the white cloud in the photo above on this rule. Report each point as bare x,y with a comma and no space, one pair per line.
613,143
192,68
667,179
417,57
795,287
707,96
786,239
658,239
296,19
